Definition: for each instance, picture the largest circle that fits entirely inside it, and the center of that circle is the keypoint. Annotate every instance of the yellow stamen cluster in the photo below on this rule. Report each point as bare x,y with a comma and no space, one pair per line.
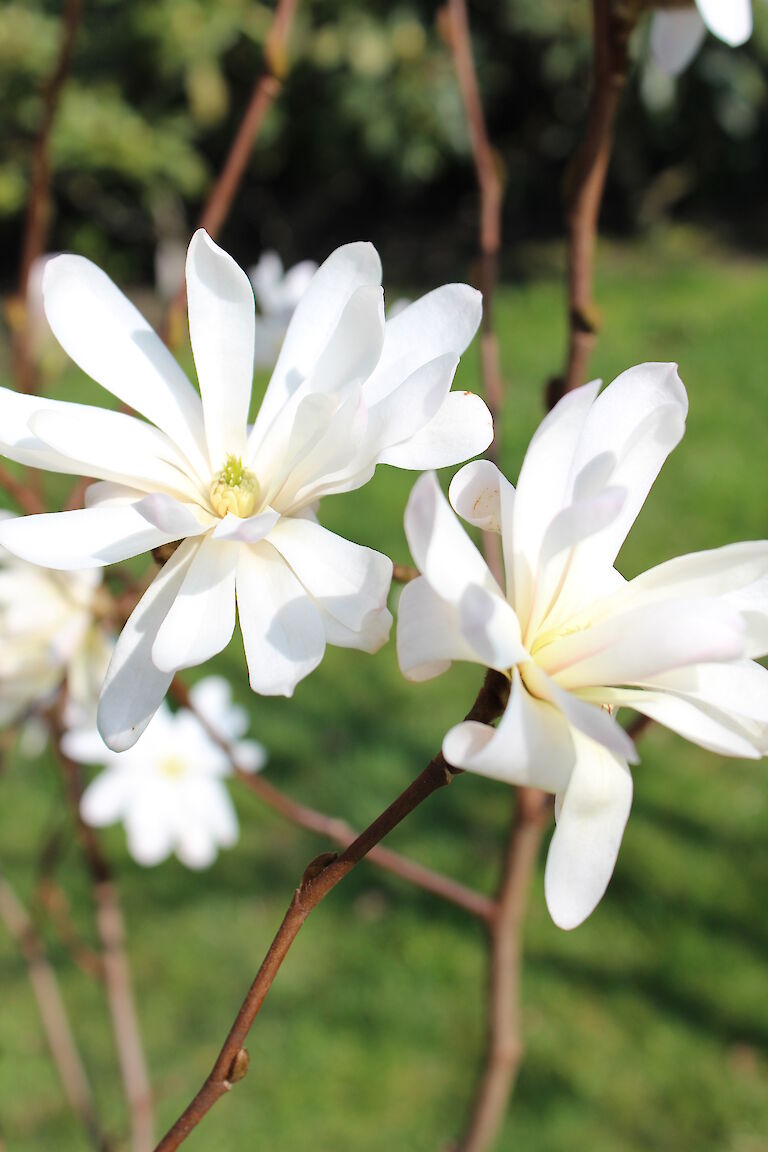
235,489
173,766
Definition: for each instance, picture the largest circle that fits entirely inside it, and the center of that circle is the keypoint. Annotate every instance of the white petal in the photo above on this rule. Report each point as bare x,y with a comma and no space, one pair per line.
88,537
348,268
134,688
372,634
590,719
642,642
444,320
221,328
248,530
462,427
458,574
676,37
201,620
149,830
730,20
104,799
249,755
111,341
345,579
282,629
86,746
532,745
590,826
18,442
211,697
406,410
475,493
354,348
113,446
429,633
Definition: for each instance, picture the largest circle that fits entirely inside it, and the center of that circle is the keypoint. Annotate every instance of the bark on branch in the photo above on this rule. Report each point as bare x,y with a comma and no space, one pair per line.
320,877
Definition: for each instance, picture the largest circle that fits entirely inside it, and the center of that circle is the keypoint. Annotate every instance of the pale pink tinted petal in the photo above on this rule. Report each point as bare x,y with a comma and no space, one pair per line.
429,634
676,37
475,493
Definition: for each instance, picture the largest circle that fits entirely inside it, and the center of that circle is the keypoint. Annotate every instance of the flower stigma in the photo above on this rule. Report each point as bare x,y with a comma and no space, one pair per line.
235,489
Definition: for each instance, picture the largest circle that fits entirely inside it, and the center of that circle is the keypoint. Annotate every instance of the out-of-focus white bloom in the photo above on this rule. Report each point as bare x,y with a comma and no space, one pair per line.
277,293
348,392
168,790
49,635
576,640
678,33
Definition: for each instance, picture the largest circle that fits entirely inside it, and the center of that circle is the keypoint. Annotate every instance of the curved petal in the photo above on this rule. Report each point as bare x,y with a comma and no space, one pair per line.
117,447
631,646
354,348
212,698
134,688
532,745
221,327
348,268
99,328
475,494
91,537
676,37
282,629
429,633
729,20
372,634
406,410
345,579
444,320
462,427
150,827
19,443
590,826
201,619
249,530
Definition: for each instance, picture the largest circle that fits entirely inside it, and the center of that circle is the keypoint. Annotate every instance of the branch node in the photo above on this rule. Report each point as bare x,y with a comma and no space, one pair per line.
238,1069
315,867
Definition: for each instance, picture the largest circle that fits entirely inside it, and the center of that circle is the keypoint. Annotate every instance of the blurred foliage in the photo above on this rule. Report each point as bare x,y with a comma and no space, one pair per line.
368,136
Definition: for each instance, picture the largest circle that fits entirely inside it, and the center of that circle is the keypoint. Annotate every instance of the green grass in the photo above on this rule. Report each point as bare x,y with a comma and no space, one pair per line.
646,1029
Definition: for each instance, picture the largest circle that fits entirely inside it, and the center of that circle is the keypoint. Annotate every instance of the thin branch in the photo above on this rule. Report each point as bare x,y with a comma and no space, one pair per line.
504,1051
321,877
263,96
117,977
53,1014
491,194
342,833
38,219
27,498
585,184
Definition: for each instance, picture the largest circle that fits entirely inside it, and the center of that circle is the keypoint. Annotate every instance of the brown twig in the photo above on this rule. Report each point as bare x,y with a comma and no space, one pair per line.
263,95
342,833
117,976
320,877
504,1051
52,902
585,184
491,193
37,223
27,498
53,1014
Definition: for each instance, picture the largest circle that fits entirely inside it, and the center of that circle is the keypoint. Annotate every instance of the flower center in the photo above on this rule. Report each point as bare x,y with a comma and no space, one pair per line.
234,489
173,766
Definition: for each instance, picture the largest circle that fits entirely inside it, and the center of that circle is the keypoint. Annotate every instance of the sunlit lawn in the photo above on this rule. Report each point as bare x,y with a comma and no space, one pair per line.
647,1029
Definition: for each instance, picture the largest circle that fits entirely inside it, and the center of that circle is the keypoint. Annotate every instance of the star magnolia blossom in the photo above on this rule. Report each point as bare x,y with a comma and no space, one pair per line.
169,789
277,294
347,393
575,639
678,33
49,634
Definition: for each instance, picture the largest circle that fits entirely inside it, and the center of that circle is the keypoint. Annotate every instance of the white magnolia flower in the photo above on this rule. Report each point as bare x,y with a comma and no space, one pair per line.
576,640
347,392
168,790
277,295
49,635
678,33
